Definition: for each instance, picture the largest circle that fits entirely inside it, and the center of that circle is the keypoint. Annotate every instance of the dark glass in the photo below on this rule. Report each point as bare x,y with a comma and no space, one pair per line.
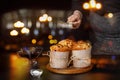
32,53
32,56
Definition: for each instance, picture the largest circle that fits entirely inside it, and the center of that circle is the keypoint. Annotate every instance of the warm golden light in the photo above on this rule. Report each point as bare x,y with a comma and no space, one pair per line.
98,5
92,4
34,41
50,36
18,24
45,18
17,64
53,41
14,57
42,19
86,5
13,33
49,18
110,15
25,30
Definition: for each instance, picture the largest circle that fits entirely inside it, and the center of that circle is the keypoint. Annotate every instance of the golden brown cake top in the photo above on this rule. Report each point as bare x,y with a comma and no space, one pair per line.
68,45
59,47
66,42
81,45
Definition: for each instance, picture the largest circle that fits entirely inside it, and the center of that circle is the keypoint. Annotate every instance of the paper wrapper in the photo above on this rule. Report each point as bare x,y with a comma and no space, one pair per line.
59,59
81,58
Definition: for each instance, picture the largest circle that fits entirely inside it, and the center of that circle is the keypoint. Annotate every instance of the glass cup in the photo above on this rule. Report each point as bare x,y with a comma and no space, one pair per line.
32,53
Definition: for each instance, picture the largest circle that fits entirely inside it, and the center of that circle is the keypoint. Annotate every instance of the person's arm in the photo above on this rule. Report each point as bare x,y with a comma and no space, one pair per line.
75,19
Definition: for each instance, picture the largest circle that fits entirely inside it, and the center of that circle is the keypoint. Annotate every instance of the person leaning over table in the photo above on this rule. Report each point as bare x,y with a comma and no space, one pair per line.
106,31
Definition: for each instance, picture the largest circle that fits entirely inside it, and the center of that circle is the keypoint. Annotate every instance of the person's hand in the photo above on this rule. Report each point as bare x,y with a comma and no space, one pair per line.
75,19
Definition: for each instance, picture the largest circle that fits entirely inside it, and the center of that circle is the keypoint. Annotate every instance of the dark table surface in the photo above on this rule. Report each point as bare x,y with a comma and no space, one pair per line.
13,67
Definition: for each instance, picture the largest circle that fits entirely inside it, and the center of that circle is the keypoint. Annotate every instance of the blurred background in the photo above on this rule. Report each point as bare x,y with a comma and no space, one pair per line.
39,22
43,23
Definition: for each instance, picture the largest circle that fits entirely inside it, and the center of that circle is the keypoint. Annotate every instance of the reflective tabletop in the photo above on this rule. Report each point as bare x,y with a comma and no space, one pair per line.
13,67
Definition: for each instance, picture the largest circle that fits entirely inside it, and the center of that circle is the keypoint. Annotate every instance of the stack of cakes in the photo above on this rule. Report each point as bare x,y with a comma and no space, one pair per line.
60,54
